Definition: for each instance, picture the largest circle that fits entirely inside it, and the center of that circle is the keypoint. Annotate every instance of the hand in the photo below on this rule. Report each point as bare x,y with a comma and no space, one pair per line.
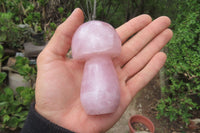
59,78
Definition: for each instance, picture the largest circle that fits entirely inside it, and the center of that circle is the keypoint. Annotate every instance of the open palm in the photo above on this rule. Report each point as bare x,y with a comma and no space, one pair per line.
59,78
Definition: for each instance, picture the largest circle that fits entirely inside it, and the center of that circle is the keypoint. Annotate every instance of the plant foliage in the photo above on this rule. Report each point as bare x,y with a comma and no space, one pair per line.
14,107
24,69
183,64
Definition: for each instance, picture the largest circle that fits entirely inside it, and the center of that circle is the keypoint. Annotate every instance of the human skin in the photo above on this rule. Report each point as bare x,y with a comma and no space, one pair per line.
59,78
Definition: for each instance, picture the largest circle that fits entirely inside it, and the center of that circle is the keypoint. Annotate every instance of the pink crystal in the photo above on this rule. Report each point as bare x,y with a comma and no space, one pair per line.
96,43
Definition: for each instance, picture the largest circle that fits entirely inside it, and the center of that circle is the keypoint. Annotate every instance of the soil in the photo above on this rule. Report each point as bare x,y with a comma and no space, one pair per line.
146,103
139,126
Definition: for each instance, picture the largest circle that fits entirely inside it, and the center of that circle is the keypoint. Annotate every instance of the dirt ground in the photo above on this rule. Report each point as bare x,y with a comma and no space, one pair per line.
144,103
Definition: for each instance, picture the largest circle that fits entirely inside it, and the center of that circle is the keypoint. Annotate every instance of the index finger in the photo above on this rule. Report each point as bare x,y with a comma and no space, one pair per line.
132,26
61,40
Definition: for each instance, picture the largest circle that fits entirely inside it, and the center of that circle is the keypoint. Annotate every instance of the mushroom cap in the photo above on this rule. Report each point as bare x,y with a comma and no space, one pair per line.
95,38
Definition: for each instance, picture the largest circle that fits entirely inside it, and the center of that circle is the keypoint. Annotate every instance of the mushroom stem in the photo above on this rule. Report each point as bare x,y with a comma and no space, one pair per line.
100,93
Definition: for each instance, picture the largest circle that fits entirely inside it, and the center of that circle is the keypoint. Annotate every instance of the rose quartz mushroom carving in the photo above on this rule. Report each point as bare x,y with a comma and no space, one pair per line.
96,43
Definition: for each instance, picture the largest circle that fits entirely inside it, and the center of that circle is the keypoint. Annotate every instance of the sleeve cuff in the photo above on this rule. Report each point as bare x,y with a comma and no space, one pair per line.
35,123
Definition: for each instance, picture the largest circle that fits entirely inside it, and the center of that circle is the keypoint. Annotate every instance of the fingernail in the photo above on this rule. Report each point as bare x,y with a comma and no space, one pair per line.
74,10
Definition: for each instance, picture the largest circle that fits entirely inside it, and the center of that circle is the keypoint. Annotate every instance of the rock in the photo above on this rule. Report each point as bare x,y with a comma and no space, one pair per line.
11,61
16,80
32,50
194,124
97,42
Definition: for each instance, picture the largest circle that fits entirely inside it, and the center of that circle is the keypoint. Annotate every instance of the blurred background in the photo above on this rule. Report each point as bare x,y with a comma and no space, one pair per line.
27,25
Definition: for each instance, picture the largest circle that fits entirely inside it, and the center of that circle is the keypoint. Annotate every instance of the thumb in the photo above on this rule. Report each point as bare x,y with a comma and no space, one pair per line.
61,40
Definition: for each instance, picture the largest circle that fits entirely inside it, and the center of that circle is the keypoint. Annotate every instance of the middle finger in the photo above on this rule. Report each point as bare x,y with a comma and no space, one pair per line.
139,41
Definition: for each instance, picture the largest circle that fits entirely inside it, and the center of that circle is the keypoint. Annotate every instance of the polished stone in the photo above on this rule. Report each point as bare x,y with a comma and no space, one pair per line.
96,43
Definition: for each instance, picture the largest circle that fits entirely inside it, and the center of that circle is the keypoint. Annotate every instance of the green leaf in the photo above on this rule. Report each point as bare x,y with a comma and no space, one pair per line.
1,48
2,104
19,109
13,122
21,124
19,89
61,10
8,91
2,77
6,118
3,37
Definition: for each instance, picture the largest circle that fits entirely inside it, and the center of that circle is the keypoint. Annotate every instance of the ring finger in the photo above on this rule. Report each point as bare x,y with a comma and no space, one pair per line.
134,45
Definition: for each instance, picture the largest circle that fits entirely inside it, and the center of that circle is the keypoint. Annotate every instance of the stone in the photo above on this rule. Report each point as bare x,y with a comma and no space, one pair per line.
32,50
16,80
11,61
96,43
100,92
194,124
95,38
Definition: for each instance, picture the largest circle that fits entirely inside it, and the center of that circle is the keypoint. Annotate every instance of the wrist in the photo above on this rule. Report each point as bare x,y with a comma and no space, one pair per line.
50,115
36,123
